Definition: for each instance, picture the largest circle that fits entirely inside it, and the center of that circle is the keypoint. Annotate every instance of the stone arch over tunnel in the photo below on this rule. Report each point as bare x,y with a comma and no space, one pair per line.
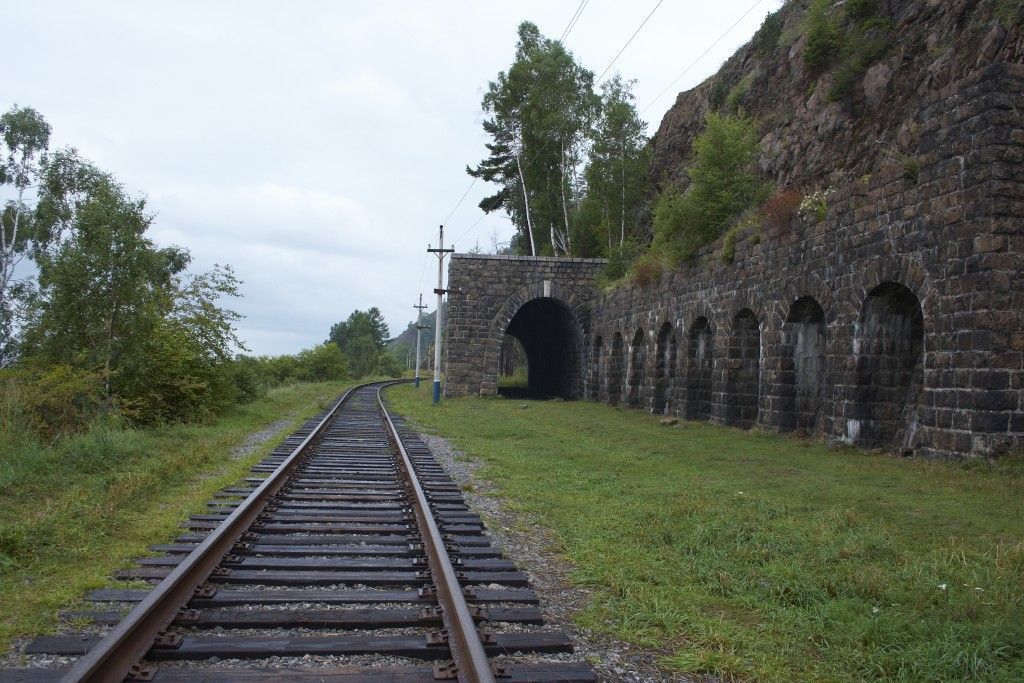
889,346
552,339
802,373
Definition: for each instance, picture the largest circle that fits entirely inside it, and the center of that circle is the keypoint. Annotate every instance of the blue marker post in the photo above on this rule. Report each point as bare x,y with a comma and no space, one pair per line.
440,291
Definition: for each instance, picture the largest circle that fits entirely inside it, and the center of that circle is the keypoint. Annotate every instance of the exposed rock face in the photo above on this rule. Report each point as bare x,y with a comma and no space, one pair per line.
810,141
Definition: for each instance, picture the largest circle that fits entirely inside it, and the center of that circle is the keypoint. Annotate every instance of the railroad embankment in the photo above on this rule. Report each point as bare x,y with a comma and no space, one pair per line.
758,556
73,512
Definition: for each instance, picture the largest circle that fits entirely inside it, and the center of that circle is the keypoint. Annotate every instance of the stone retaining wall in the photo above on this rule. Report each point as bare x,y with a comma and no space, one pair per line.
895,322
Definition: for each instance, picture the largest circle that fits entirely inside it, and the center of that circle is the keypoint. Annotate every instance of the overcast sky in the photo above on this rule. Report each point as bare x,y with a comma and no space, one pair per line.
316,146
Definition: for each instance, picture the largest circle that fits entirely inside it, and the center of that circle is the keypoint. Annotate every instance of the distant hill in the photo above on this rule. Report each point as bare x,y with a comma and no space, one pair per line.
404,345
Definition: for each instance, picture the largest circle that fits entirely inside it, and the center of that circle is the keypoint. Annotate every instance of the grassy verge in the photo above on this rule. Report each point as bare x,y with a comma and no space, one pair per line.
756,556
72,514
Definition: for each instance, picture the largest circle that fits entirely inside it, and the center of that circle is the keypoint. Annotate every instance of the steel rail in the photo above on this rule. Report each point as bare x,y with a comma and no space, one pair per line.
113,658
467,650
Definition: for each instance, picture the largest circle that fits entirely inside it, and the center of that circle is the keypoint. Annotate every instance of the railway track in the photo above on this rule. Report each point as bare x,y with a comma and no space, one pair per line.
347,555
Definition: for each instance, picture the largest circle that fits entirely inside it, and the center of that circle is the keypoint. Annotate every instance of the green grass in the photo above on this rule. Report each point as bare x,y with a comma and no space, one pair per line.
762,557
517,380
72,514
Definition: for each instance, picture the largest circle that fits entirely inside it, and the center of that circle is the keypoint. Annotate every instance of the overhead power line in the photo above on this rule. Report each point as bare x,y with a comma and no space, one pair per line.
619,54
572,21
459,203
702,55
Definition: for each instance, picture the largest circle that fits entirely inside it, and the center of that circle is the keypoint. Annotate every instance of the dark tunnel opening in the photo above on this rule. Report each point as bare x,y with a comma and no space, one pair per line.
552,340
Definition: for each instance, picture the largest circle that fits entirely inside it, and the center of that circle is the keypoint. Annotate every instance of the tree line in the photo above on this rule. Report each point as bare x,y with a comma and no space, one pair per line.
97,321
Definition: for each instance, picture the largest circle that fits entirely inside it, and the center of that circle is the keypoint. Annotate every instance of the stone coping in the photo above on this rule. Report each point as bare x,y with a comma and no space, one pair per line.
507,257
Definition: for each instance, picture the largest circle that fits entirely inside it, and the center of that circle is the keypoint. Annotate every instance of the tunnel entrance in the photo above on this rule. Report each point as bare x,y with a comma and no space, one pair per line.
552,343
890,367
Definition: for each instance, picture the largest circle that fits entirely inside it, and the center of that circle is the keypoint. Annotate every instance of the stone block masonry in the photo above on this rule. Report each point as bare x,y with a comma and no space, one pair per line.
897,322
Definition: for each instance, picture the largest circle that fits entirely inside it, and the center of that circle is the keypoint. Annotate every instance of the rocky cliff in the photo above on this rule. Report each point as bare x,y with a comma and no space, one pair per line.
828,123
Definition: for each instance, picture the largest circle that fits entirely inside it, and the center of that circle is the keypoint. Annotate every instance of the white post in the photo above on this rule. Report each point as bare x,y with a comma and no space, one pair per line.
441,253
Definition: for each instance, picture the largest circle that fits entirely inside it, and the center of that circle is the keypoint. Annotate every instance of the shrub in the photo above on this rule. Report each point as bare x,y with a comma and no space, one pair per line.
859,10
816,204
732,100
54,401
388,365
767,37
824,39
321,363
719,91
729,246
646,270
172,379
724,182
1010,12
249,379
867,43
620,258
911,170
780,209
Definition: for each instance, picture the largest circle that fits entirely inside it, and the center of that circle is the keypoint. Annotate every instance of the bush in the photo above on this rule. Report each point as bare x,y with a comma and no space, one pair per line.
780,209
321,363
249,378
620,258
732,100
719,91
51,402
824,39
646,270
859,10
767,37
724,182
867,43
172,379
388,366
1010,12
729,246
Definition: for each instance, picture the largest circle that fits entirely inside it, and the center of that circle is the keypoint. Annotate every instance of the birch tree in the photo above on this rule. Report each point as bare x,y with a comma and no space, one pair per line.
26,138
538,113
618,163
